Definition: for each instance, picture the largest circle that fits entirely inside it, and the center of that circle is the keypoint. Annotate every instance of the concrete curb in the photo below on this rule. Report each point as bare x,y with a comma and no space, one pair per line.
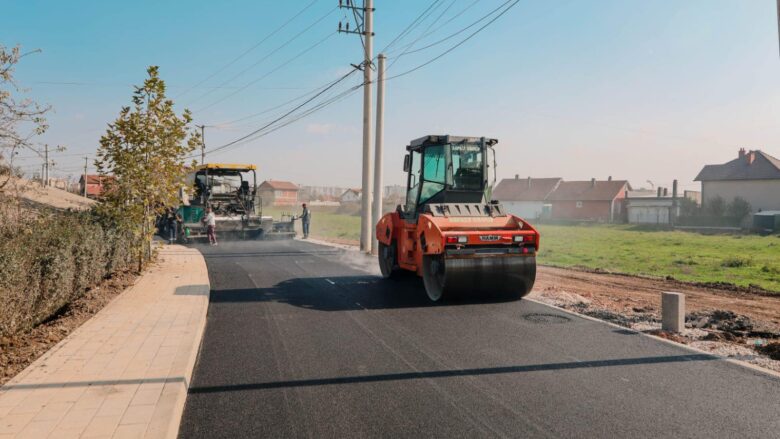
747,365
126,371
753,367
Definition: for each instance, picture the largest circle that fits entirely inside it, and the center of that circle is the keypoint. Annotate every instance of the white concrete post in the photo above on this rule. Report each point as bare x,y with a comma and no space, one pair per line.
673,311
380,122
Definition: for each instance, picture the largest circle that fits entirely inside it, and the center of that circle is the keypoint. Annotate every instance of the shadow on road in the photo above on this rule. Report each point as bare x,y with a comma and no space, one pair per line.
346,293
451,373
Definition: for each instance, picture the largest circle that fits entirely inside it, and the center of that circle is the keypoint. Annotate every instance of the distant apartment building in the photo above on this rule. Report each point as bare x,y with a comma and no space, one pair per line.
753,176
278,193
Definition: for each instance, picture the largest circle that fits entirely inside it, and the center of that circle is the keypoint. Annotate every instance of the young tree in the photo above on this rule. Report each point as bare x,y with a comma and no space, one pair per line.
716,206
739,208
143,157
21,119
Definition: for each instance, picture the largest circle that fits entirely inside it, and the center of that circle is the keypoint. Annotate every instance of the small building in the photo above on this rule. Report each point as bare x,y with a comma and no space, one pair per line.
278,193
95,185
350,196
651,210
525,197
753,176
592,200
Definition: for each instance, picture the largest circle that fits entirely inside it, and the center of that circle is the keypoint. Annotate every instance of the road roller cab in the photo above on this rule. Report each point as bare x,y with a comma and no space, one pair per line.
449,231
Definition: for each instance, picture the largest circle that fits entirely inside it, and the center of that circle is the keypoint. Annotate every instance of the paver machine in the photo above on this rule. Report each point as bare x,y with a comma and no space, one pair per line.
449,231
230,190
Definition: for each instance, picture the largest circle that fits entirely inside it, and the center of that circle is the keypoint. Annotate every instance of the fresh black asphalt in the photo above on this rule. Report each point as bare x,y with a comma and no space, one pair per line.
302,340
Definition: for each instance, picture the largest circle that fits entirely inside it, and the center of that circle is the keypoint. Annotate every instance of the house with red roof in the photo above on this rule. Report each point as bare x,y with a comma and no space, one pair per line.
96,185
594,200
278,193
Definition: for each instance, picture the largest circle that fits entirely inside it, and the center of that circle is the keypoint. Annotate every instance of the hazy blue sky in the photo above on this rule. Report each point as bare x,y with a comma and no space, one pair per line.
643,90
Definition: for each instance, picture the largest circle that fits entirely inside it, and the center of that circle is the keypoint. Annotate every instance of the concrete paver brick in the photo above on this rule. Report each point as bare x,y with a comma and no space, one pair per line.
123,373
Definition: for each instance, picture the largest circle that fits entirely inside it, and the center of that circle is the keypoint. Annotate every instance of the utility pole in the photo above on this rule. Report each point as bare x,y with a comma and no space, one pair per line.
378,144
364,28
86,159
202,143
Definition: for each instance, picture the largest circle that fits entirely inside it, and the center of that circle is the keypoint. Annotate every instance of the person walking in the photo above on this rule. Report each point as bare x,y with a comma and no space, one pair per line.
173,219
305,220
211,223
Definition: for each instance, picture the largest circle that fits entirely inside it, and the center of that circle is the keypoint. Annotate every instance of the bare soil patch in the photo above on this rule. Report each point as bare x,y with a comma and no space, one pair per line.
732,322
20,350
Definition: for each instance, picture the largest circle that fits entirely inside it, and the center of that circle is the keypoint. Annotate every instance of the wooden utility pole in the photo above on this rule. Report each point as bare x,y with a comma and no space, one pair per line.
202,143
86,160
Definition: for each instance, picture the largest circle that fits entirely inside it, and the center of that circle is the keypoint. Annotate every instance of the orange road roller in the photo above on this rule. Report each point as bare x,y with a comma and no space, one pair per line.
449,231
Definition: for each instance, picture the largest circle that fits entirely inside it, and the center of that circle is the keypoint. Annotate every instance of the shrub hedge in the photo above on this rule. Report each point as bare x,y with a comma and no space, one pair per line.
50,260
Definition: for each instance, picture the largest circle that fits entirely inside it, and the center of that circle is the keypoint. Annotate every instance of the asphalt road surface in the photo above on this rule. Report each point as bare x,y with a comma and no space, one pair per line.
302,341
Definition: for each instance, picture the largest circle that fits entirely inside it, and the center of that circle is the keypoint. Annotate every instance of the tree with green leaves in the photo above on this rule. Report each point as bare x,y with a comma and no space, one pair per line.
142,157
715,206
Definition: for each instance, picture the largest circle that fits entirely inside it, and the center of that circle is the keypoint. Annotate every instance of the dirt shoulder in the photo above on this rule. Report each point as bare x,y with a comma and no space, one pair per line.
20,350
724,321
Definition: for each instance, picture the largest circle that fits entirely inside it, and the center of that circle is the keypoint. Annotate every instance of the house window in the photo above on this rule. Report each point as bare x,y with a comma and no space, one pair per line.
579,204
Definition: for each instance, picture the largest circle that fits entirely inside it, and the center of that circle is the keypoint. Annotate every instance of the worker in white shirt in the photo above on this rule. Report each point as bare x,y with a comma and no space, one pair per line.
211,223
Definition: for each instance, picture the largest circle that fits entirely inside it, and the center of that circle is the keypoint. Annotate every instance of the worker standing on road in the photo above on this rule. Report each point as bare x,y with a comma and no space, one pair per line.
305,220
211,224
173,219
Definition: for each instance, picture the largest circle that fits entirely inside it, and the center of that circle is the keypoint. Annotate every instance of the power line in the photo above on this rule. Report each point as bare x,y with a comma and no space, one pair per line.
460,43
407,52
268,55
343,77
341,96
274,70
448,21
408,28
246,52
410,45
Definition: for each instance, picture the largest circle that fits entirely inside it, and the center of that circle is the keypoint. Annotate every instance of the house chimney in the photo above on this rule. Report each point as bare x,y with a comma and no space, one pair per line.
517,176
592,182
666,192
609,178
529,182
674,189
660,189
741,153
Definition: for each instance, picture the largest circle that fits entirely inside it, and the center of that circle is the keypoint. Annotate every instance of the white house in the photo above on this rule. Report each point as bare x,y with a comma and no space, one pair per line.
350,196
753,175
525,197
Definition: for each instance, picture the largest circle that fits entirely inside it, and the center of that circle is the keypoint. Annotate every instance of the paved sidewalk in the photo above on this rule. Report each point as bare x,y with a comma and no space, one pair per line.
125,372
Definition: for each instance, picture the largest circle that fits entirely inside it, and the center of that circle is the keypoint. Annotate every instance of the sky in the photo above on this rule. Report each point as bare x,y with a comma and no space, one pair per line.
637,90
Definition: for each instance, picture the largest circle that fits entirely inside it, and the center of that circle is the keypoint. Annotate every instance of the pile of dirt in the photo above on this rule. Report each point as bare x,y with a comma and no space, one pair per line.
20,350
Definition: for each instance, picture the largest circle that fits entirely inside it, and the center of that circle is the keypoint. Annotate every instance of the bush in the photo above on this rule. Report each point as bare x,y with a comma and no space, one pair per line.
50,260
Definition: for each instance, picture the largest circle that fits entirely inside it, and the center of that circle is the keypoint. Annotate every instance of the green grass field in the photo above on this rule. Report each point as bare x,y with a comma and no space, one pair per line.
737,259
325,223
